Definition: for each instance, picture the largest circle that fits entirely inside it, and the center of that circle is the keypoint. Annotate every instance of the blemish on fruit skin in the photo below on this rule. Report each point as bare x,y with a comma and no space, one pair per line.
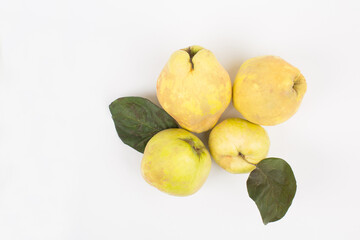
241,155
226,162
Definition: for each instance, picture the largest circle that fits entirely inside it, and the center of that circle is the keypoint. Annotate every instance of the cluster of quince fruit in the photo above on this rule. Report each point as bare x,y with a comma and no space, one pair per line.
194,89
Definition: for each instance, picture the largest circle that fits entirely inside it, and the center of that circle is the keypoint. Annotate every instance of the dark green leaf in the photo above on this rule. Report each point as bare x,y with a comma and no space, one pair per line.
272,186
137,120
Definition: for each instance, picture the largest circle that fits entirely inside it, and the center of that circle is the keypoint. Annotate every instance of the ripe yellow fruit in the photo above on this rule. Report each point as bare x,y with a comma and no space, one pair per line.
236,145
176,162
194,88
268,90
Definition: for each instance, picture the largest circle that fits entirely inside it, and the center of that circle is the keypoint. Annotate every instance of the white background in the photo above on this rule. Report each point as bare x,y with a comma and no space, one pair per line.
65,174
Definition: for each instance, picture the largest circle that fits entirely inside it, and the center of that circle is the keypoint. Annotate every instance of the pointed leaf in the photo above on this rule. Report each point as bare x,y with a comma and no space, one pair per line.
272,186
137,120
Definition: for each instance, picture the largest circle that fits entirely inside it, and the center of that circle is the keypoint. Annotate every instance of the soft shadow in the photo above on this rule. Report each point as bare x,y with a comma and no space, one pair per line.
230,112
233,68
204,137
148,95
152,97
